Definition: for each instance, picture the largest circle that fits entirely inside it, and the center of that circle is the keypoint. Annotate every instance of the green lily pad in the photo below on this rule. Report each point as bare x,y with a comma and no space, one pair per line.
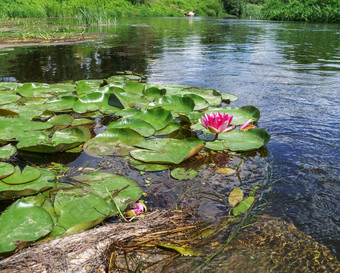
43,183
157,117
142,127
88,123
167,150
61,103
176,104
173,126
240,140
6,97
129,112
227,97
212,96
134,87
241,115
23,222
77,213
7,151
200,103
123,190
183,174
6,169
243,206
28,174
147,167
61,140
235,197
155,92
116,141
61,121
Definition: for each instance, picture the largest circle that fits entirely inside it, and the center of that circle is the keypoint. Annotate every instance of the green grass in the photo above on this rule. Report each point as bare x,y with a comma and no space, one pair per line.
102,10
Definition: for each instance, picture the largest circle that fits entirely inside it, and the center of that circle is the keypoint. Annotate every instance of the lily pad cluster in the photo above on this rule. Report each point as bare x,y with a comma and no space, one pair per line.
155,125
61,210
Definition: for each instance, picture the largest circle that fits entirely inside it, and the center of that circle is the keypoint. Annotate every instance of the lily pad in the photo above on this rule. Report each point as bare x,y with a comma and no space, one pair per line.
142,127
157,117
176,104
147,167
6,97
173,126
241,115
243,206
123,190
200,103
240,140
23,222
6,169
183,174
116,141
7,151
43,183
155,92
77,213
167,150
61,121
61,103
20,177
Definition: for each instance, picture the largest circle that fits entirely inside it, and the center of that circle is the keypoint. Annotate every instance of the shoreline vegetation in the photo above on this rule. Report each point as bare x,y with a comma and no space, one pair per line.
90,11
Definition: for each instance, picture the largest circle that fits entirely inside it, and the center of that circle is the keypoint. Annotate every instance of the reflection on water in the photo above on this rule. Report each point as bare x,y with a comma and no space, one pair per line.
290,71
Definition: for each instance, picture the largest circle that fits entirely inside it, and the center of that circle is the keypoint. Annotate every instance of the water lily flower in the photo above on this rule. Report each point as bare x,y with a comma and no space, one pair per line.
247,126
139,209
217,123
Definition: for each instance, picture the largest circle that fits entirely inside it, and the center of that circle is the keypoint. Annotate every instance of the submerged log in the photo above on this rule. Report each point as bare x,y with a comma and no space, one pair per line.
87,251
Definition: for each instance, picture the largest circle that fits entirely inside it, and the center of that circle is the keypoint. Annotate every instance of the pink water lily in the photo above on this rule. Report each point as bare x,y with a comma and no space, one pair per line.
139,209
217,123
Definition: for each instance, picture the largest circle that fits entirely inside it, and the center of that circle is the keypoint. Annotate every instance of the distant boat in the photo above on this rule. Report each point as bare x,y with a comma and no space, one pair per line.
191,14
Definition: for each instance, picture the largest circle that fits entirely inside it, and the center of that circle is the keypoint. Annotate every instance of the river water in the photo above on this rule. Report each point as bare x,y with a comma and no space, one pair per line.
289,71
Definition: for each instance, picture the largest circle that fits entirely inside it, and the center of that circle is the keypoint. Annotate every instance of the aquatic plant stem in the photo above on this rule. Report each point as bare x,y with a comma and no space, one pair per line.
230,238
114,202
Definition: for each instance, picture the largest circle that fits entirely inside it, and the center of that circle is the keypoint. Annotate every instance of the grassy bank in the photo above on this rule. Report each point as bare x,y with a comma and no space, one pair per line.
108,8
327,11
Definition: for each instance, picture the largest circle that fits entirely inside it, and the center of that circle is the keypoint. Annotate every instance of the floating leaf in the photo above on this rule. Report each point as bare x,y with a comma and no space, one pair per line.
167,150
240,115
23,222
155,92
173,126
28,174
235,197
241,140
200,103
7,151
227,97
116,141
6,97
157,117
6,169
183,174
243,206
43,183
61,140
147,167
142,127
61,103
77,213
61,121
176,104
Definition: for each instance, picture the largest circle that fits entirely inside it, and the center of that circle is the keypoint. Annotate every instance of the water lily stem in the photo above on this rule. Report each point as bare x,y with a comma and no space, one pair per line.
216,137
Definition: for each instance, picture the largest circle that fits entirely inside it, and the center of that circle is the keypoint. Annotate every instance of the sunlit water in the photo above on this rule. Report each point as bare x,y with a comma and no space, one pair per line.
290,71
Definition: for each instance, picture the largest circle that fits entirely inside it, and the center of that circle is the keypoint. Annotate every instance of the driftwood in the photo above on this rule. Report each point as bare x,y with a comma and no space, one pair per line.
88,251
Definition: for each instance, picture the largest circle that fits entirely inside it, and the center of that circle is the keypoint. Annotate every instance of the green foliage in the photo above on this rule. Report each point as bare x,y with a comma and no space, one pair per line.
303,10
100,11
234,7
